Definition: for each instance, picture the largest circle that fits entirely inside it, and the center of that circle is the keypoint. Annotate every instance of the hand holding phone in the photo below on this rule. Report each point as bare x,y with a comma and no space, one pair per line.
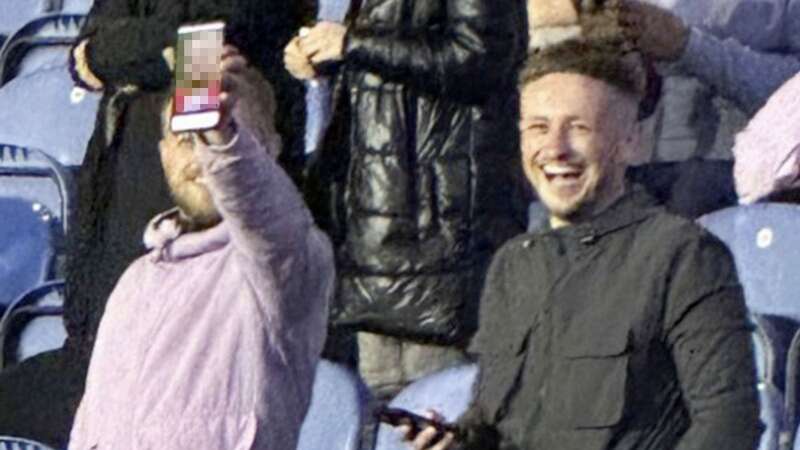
423,432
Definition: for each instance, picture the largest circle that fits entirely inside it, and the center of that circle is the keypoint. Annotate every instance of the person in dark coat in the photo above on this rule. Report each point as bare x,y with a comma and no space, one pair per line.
416,171
619,326
121,184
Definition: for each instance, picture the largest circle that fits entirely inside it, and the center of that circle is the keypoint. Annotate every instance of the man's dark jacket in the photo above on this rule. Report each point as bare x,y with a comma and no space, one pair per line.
625,332
421,173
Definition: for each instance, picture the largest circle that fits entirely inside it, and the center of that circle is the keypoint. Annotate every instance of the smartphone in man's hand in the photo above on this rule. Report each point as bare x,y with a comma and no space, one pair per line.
198,77
397,417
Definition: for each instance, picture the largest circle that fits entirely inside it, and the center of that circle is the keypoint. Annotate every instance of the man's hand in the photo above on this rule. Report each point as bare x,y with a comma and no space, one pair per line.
657,32
427,438
232,66
296,62
324,42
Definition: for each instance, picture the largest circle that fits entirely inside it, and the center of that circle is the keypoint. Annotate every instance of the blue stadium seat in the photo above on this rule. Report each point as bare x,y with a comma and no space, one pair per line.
448,392
33,324
76,6
16,13
34,176
765,243
50,114
44,42
337,409
14,443
772,416
771,398
27,248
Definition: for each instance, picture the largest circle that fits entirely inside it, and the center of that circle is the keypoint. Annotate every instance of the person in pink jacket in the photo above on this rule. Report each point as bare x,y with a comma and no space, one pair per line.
211,340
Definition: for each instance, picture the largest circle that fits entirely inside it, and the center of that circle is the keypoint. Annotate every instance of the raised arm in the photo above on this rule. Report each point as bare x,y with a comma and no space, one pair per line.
258,201
712,53
707,330
746,76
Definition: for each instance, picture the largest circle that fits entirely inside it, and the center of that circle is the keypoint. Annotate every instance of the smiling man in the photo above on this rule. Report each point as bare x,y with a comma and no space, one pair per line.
617,325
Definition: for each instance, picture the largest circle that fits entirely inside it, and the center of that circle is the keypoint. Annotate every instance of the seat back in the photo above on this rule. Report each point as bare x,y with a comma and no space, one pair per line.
15,443
449,392
26,248
766,247
33,324
16,13
33,175
771,415
335,416
42,42
50,113
765,243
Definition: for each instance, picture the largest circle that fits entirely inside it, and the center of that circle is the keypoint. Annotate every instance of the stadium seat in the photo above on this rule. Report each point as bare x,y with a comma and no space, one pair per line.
76,6
44,42
771,398
766,247
15,443
448,392
51,114
27,250
34,176
33,324
771,415
335,416
765,243
16,13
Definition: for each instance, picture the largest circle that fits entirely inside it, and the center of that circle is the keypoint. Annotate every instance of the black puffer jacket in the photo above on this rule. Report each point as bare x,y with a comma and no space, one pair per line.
425,194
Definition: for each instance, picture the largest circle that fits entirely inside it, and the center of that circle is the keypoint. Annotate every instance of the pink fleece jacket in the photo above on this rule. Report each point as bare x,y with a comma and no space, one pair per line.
211,340
767,152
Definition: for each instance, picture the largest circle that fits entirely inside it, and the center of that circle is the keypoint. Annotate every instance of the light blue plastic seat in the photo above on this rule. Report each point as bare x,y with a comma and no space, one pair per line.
15,443
34,176
765,242
33,324
449,392
43,42
27,248
16,13
51,114
336,413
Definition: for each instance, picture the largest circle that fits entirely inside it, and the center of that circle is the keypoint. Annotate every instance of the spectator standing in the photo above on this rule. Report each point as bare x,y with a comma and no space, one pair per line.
211,340
417,171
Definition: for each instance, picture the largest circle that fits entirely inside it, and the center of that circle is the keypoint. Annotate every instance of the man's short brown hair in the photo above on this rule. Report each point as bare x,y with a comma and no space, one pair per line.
603,61
602,52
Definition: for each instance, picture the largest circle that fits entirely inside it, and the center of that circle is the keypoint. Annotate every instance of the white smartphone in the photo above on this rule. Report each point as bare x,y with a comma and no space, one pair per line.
198,80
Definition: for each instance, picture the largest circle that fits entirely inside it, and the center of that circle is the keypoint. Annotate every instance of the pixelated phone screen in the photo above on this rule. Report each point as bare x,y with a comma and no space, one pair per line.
198,79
